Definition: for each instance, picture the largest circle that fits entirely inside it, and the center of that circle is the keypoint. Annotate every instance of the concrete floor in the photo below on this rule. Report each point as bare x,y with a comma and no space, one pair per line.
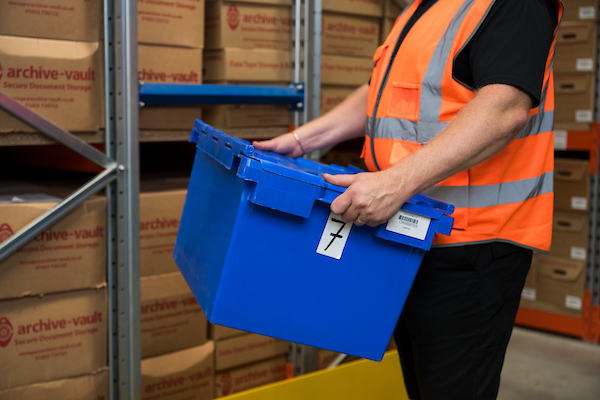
545,366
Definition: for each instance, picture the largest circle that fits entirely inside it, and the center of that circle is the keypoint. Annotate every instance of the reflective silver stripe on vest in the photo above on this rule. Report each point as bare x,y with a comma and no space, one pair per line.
493,195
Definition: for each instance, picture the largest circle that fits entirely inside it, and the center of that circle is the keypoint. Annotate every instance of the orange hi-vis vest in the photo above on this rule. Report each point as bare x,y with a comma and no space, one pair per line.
507,198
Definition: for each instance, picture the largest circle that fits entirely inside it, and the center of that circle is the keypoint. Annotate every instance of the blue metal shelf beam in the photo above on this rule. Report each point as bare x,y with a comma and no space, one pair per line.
175,94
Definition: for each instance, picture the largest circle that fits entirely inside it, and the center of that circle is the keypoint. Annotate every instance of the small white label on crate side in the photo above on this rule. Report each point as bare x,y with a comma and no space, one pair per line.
583,115
409,224
334,237
528,293
573,302
588,12
560,139
578,253
579,203
585,64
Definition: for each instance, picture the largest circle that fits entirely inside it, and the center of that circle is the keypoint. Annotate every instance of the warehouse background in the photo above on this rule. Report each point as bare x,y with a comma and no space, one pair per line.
53,291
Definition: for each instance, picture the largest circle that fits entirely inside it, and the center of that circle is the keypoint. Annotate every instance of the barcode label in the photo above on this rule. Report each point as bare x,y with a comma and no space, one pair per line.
588,12
409,224
579,203
583,115
585,64
573,302
334,237
560,139
528,294
578,253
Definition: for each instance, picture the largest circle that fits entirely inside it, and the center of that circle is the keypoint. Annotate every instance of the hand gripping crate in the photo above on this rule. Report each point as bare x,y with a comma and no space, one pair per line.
262,252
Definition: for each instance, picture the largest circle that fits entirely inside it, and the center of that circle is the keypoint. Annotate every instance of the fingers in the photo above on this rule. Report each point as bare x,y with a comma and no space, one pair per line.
284,144
339,180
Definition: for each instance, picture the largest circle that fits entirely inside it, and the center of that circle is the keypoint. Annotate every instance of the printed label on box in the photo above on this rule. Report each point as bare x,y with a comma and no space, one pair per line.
409,224
573,302
528,294
560,139
334,237
585,64
588,12
578,253
583,115
579,203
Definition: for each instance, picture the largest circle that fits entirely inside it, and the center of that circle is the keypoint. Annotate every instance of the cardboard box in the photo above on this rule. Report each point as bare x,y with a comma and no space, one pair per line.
576,48
69,255
182,375
52,19
571,185
161,206
219,332
349,35
155,118
247,65
332,96
570,235
560,283
171,318
62,81
270,2
576,10
87,387
162,64
246,349
391,8
373,8
240,116
249,377
234,24
174,23
325,358
52,337
345,71
574,101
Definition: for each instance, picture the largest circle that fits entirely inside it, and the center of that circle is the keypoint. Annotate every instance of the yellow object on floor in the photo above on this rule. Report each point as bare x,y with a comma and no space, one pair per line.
362,379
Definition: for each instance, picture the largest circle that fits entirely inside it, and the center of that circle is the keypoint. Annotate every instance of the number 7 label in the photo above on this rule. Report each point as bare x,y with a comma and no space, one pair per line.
334,237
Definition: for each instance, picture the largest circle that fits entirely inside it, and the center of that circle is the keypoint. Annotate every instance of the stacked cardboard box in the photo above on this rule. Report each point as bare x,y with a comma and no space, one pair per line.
171,38
51,61
177,361
557,280
247,42
245,360
52,291
575,66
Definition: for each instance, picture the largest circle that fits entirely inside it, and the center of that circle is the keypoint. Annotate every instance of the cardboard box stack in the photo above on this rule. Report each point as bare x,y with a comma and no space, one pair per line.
51,61
575,66
556,280
53,307
247,42
177,359
171,39
245,360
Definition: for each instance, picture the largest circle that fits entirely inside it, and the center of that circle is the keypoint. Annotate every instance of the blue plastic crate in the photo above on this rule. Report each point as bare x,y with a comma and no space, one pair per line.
251,245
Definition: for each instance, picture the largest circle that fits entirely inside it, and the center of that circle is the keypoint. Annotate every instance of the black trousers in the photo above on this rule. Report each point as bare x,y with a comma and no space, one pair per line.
458,318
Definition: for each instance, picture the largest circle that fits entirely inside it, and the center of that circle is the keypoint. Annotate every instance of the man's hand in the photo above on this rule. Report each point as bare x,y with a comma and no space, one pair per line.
372,198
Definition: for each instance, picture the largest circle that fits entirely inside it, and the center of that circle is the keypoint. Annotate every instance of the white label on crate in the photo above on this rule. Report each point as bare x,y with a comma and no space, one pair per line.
578,253
579,203
528,293
409,224
560,139
585,64
334,237
588,12
583,115
573,302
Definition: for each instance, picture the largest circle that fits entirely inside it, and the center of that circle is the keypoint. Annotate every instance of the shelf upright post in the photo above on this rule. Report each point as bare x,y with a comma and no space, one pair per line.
120,36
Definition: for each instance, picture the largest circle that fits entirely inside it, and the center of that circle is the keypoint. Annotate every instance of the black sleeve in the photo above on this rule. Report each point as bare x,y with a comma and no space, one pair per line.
510,47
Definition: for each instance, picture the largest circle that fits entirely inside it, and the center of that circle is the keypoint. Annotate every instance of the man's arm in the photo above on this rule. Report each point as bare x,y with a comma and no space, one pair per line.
484,127
344,122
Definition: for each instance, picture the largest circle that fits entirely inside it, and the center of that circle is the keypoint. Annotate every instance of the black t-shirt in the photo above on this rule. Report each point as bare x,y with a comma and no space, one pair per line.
510,47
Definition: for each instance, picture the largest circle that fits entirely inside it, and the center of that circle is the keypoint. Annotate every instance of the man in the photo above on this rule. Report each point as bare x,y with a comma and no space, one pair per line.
460,107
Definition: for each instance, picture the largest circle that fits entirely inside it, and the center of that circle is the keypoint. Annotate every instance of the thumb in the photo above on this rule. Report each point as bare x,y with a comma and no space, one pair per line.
339,180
